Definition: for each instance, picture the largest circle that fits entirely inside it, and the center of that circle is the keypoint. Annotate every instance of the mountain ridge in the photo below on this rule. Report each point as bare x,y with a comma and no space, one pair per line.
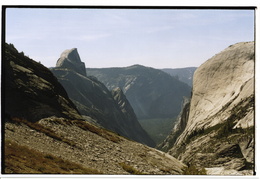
183,74
151,92
93,99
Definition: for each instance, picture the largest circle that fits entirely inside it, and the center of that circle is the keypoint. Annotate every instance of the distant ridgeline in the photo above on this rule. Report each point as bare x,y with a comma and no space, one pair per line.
183,74
151,92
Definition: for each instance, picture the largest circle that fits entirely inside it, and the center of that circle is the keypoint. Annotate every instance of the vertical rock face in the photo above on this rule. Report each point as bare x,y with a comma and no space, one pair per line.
31,90
70,59
130,119
123,103
221,117
93,99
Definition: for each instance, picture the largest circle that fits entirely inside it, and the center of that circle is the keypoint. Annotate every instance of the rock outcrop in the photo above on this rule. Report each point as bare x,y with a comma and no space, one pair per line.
70,59
219,133
93,99
123,103
130,119
31,90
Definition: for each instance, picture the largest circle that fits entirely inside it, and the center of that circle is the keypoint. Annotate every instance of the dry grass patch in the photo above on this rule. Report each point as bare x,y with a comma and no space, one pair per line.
111,136
40,128
99,131
24,160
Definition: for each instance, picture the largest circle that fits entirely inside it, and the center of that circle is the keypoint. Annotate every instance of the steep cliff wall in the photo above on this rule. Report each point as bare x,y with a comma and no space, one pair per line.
219,134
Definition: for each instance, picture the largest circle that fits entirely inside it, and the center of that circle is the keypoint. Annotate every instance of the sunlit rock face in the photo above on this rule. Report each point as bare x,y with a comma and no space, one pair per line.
219,131
225,79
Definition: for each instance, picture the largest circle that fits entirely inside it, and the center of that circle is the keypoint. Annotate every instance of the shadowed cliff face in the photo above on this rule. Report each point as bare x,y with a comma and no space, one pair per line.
219,133
70,59
130,120
93,99
31,90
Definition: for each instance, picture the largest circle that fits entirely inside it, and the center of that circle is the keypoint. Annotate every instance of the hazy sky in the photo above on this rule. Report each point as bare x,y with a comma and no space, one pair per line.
159,38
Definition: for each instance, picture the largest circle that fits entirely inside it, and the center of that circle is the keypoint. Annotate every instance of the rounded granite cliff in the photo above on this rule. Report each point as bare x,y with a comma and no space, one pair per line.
219,129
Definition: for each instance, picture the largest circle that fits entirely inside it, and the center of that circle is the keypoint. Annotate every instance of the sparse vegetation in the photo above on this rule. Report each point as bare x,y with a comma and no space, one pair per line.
99,131
130,169
192,170
226,128
40,128
87,126
21,160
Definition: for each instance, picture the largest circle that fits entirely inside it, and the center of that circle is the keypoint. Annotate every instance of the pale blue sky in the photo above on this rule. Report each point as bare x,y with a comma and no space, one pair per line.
157,38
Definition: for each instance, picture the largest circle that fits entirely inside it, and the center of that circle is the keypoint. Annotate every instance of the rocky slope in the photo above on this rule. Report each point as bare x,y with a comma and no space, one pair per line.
218,133
183,74
93,99
60,140
152,93
105,152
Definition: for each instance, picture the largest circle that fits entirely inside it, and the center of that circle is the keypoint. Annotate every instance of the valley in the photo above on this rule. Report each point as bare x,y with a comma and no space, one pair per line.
130,120
158,128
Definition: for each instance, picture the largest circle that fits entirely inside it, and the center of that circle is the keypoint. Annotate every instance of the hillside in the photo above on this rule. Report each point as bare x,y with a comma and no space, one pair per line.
57,139
216,128
93,99
31,90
